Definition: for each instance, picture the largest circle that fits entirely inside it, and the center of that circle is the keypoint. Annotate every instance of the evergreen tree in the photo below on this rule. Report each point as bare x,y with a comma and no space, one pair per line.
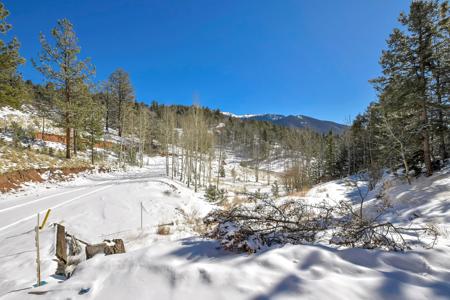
60,64
412,91
93,124
44,101
330,156
122,93
440,68
12,90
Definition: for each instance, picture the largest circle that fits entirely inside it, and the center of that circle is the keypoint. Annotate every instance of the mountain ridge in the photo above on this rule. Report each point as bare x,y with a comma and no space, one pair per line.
294,121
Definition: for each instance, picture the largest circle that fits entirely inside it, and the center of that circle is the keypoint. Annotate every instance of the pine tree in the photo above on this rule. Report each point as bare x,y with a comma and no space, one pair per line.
12,90
44,101
122,93
60,64
420,26
93,123
440,69
330,156
411,85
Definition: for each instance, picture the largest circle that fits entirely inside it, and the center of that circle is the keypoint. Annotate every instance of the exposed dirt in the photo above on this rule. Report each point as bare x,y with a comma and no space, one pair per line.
14,180
49,137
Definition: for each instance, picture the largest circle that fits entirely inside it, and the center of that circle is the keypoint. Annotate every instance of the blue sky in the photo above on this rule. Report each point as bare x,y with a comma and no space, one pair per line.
281,56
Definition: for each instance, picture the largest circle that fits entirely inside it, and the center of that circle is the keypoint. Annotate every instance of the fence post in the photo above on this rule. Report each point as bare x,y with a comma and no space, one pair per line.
38,260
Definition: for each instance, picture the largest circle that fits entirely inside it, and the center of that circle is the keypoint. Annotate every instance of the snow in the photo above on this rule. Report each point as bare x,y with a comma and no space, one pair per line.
245,116
27,118
183,265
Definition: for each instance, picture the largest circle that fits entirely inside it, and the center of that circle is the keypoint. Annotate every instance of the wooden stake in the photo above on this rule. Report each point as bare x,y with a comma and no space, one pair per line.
38,260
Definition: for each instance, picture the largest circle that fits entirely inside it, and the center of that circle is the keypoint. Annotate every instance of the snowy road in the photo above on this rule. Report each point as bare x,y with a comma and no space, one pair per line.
16,210
93,207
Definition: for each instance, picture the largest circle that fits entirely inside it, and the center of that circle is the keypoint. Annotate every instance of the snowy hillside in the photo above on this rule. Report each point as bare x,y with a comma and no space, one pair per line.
182,265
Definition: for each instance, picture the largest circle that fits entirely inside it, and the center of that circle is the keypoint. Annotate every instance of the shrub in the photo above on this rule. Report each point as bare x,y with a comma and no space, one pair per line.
213,194
222,171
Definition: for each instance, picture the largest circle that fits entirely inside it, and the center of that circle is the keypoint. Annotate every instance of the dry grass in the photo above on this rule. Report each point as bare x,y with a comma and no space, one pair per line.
194,220
301,193
15,159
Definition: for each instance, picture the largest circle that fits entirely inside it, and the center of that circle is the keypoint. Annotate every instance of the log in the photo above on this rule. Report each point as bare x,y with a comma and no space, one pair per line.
92,250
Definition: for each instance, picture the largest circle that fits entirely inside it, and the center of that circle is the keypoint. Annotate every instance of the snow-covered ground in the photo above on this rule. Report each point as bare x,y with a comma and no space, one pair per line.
182,265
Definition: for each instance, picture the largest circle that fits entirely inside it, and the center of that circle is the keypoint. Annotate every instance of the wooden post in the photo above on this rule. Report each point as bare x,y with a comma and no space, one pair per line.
38,260
61,246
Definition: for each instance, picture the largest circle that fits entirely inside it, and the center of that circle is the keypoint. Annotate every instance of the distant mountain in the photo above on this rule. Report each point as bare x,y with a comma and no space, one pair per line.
296,121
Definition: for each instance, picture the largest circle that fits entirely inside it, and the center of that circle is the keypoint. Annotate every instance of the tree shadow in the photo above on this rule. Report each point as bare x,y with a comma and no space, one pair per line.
290,284
195,249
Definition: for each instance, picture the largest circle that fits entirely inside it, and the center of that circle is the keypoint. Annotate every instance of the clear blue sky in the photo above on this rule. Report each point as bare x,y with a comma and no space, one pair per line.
280,56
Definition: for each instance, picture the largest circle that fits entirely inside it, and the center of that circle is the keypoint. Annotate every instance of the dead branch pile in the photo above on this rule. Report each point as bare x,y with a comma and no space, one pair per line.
247,228
250,227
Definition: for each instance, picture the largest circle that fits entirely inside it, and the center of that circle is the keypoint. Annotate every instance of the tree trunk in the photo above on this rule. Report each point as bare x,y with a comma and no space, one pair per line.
426,142
424,112
43,129
75,142
68,143
441,126
92,148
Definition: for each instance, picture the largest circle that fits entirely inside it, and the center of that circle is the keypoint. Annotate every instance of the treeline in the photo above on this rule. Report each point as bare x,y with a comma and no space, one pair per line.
408,126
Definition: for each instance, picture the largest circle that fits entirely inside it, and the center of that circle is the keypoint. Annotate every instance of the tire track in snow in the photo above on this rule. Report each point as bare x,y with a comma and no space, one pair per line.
55,206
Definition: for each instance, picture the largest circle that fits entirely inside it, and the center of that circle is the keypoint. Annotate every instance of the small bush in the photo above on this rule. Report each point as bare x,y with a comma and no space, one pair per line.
222,171
212,194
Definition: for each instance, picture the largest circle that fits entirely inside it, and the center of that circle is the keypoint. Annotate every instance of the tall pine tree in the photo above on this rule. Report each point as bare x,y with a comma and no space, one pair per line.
60,64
